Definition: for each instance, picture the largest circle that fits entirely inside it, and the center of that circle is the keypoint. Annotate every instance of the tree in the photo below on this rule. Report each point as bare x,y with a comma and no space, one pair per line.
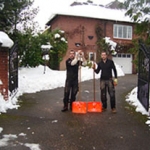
29,48
139,12
15,13
59,47
30,52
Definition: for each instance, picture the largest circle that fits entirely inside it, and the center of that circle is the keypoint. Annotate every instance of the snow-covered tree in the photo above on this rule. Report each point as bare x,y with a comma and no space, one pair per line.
59,47
139,12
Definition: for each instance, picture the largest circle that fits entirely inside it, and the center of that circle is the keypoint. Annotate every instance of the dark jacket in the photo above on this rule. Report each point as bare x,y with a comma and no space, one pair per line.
106,69
72,71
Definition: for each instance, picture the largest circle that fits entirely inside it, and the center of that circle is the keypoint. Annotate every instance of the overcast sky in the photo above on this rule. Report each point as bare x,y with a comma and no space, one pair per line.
47,7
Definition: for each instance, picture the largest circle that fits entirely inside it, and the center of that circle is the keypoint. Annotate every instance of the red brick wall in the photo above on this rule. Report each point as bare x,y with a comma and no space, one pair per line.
4,72
78,29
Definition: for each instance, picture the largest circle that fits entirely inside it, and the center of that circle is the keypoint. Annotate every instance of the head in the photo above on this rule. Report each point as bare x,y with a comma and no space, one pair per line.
104,55
71,54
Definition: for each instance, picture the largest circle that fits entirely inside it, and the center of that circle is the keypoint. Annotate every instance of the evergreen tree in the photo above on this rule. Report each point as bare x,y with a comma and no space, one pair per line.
15,13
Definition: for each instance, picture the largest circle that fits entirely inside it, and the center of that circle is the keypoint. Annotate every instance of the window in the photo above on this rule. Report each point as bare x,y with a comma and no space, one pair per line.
92,56
123,55
122,31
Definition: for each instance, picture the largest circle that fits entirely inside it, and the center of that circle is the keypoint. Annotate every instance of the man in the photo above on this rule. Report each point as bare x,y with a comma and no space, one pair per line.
106,80
71,84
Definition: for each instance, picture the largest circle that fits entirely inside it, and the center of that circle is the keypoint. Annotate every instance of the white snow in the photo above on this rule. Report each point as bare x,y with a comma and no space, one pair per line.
5,41
98,12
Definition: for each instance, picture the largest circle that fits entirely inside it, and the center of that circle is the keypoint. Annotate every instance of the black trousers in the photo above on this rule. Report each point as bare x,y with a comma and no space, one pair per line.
70,92
107,86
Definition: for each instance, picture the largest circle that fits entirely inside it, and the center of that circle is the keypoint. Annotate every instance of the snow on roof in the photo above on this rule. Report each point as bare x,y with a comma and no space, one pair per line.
97,12
5,40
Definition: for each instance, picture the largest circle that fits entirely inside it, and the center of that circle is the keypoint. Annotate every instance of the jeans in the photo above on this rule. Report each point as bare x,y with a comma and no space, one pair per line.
70,91
107,85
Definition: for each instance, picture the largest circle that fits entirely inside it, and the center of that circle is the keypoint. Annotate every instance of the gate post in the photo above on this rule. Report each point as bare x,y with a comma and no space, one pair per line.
5,44
4,72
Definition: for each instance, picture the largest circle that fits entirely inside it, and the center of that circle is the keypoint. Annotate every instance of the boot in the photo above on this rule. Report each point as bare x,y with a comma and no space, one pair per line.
64,109
71,106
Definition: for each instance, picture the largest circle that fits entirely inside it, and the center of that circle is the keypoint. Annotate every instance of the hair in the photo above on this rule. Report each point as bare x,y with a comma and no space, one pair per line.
72,51
104,52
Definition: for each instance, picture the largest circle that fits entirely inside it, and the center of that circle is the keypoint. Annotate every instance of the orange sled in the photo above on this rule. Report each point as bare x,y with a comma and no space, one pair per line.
94,106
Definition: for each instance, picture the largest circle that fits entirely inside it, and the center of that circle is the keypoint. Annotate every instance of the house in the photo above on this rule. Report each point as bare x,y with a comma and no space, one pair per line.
80,22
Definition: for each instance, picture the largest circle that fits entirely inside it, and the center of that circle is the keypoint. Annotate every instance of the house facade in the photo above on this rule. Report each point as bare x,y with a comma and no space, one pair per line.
81,34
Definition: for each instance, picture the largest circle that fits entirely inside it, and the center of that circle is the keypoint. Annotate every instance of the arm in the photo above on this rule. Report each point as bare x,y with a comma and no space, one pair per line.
84,62
79,57
96,67
75,60
114,69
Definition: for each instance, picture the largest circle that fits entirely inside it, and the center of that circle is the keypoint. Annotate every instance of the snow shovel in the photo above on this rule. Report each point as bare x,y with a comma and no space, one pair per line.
79,106
94,106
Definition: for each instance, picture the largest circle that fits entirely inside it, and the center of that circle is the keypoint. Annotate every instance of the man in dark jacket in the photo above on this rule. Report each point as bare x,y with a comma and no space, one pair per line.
71,84
106,80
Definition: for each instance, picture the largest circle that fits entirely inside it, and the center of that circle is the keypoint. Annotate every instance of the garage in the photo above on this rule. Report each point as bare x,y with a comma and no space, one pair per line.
124,60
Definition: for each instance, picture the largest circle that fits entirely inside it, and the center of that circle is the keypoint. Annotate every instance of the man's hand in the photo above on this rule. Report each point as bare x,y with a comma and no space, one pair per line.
94,65
80,52
115,81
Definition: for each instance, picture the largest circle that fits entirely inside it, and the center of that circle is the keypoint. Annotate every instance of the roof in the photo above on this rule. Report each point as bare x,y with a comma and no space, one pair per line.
93,11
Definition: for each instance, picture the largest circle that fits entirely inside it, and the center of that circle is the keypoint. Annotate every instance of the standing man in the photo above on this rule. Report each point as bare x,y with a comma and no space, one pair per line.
71,84
107,82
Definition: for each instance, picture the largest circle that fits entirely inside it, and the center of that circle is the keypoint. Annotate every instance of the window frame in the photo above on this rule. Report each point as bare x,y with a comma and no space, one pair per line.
122,31
93,57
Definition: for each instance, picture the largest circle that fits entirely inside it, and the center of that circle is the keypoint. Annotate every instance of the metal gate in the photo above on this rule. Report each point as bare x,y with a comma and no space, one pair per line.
144,75
13,70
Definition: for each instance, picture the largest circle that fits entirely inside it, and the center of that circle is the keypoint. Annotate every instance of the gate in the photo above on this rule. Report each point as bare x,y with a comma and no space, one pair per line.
143,75
13,70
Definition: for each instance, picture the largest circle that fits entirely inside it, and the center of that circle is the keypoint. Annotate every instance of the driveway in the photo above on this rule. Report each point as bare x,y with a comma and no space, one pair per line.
39,120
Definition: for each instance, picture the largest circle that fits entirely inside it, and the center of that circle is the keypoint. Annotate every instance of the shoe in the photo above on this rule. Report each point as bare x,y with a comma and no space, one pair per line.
114,110
64,109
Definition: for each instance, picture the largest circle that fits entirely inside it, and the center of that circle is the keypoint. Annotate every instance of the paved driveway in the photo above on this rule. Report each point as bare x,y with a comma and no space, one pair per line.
41,122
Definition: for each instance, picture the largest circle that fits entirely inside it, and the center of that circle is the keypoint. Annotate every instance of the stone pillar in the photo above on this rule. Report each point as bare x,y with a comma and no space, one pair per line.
4,72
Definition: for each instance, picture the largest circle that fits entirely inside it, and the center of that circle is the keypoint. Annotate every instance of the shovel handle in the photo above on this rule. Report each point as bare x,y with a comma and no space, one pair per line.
94,84
80,81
